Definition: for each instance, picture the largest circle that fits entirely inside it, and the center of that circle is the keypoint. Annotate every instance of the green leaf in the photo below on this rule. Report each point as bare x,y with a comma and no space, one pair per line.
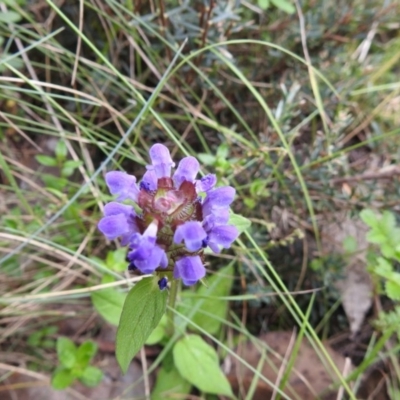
223,151
263,4
86,351
257,188
170,384
219,285
206,159
54,182
108,303
284,5
62,378
69,167
91,376
46,160
368,217
66,351
9,17
116,260
240,222
384,268
61,150
144,306
392,290
159,332
198,363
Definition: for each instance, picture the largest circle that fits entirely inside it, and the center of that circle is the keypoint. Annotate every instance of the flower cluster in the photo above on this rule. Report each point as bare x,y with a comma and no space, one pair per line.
170,224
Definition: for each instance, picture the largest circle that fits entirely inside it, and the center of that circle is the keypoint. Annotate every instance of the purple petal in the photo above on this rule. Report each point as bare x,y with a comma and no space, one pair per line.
115,208
161,160
149,180
114,226
189,269
142,245
219,217
123,185
206,183
192,233
152,262
187,170
222,236
220,197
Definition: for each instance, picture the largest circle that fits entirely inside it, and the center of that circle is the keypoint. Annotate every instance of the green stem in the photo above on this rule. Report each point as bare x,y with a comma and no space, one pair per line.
173,292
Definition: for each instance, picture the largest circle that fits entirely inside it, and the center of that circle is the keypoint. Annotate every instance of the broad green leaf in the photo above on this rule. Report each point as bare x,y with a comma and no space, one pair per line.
54,182
91,376
369,217
388,250
62,378
69,167
392,290
284,5
263,4
218,285
46,160
86,351
198,363
388,221
116,260
159,332
240,222
9,17
206,159
223,151
66,172
66,351
170,384
61,150
384,268
109,302
144,306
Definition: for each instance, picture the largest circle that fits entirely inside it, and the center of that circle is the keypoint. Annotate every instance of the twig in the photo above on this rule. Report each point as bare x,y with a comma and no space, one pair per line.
388,173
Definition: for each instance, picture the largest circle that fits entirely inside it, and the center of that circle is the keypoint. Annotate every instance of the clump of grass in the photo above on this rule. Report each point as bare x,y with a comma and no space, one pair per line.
291,124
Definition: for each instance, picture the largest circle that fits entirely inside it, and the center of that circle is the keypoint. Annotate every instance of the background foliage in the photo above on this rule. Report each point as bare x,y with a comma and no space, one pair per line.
294,104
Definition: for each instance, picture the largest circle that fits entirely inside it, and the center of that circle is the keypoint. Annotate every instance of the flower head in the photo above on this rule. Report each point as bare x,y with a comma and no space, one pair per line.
175,223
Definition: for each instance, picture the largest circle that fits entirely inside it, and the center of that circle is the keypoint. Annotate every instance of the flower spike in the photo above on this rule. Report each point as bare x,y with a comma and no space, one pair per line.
175,223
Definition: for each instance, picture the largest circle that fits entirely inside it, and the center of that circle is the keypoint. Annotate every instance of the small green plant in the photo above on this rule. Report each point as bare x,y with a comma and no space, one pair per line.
75,364
66,167
42,338
385,233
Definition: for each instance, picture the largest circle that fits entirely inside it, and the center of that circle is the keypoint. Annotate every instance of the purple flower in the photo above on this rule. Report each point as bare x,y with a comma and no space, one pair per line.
206,183
221,235
192,233
218,198
145,254
123,185
189,269
187,170
163,283
175,224
161,161
119,220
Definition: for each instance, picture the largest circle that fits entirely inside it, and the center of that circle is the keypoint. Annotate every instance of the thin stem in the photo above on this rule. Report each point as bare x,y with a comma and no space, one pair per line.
173,292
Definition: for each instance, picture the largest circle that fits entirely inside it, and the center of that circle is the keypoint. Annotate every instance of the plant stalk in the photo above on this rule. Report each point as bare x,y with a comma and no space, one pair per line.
173,292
